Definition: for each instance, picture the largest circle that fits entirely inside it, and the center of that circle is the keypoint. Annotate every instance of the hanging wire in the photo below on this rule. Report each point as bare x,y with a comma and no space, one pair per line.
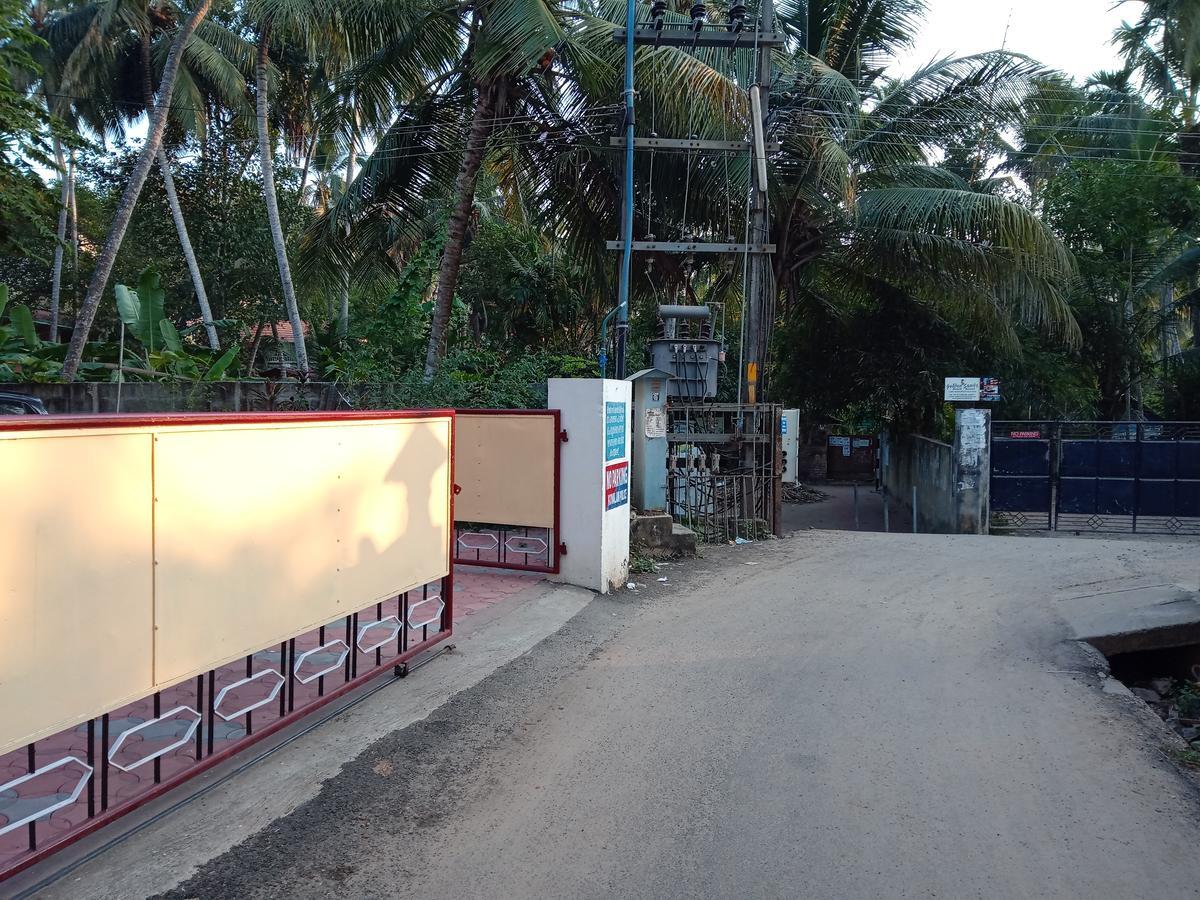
687,179
653,134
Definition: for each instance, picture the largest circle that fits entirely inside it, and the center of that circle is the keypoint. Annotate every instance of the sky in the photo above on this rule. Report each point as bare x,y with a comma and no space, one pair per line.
1071,35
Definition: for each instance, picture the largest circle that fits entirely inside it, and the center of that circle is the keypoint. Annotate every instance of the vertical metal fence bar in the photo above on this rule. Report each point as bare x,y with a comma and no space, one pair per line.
104,762
200,727
349,643
352,658
286,674
291,683
91,758
1137,472
321,680
378,650
249,713
32,761
211,716
157,759
404,621
424,628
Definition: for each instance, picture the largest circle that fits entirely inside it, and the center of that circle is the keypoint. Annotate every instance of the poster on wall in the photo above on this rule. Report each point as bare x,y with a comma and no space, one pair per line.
616,485
614,431
656,423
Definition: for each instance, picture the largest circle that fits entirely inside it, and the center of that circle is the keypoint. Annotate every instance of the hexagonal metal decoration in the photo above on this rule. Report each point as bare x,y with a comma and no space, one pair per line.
265,673
61,802
430,615
478,540
529,546
149,723
388,629
303,657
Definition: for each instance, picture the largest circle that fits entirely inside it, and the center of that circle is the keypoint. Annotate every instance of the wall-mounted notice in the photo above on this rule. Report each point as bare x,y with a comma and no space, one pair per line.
656,423
614,431
616,485
843,442
972,429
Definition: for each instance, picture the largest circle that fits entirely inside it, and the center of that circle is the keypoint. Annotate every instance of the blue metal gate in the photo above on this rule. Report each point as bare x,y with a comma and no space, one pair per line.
1118,477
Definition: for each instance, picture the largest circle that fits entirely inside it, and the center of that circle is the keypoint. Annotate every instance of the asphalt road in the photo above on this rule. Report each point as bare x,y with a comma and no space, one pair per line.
835,715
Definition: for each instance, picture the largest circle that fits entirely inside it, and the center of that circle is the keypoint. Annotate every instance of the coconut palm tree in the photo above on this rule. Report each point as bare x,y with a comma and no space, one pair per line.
334,33
124,212
117,85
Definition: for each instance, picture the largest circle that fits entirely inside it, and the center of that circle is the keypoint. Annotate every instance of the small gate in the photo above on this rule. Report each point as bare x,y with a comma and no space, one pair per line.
506,474
851,457
1111,477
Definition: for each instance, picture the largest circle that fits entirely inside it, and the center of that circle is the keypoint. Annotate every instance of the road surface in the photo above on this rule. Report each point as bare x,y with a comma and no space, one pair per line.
835,715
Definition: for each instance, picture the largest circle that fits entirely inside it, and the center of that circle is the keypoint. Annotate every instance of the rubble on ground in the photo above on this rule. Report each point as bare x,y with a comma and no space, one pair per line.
799,493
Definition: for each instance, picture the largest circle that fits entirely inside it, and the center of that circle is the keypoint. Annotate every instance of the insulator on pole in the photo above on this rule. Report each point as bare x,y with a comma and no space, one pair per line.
698,13
657,11
737,17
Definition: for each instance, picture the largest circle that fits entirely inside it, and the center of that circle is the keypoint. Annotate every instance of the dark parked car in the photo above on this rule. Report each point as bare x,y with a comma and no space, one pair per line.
21,405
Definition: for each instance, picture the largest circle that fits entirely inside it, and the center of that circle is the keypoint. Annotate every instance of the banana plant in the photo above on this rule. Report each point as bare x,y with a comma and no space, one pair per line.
23,355
143,313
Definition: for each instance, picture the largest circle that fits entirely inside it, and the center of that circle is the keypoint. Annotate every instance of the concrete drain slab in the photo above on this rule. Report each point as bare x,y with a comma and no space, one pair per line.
1148,618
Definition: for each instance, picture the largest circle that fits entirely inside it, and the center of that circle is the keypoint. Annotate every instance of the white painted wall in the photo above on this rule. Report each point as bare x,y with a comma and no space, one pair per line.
597,539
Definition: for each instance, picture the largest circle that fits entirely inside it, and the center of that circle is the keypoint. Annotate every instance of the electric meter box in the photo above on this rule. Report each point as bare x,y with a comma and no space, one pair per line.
789,426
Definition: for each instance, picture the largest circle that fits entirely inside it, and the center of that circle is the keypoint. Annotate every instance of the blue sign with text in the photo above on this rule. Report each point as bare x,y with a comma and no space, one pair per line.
615,428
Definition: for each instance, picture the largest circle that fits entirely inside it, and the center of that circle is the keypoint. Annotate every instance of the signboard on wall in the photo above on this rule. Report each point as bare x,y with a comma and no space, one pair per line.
972,390
614,431
616,485
843,442
962,390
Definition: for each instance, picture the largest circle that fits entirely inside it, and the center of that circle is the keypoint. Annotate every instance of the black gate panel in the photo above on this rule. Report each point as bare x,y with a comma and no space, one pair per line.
1098,459
1160,459
1020,494
1097,476
1096,496
1012,457
1189,459
1021,486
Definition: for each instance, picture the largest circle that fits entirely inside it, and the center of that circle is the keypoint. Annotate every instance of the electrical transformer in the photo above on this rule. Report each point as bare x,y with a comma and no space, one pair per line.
686,348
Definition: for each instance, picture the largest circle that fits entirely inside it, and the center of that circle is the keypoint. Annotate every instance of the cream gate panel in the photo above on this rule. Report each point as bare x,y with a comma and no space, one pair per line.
265,531
76,578
506,467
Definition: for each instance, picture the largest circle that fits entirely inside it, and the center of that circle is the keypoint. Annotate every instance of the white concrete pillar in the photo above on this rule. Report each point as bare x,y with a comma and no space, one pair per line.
594,516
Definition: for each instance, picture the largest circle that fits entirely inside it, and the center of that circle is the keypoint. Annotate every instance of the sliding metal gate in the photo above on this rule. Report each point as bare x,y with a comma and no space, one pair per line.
1104,477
